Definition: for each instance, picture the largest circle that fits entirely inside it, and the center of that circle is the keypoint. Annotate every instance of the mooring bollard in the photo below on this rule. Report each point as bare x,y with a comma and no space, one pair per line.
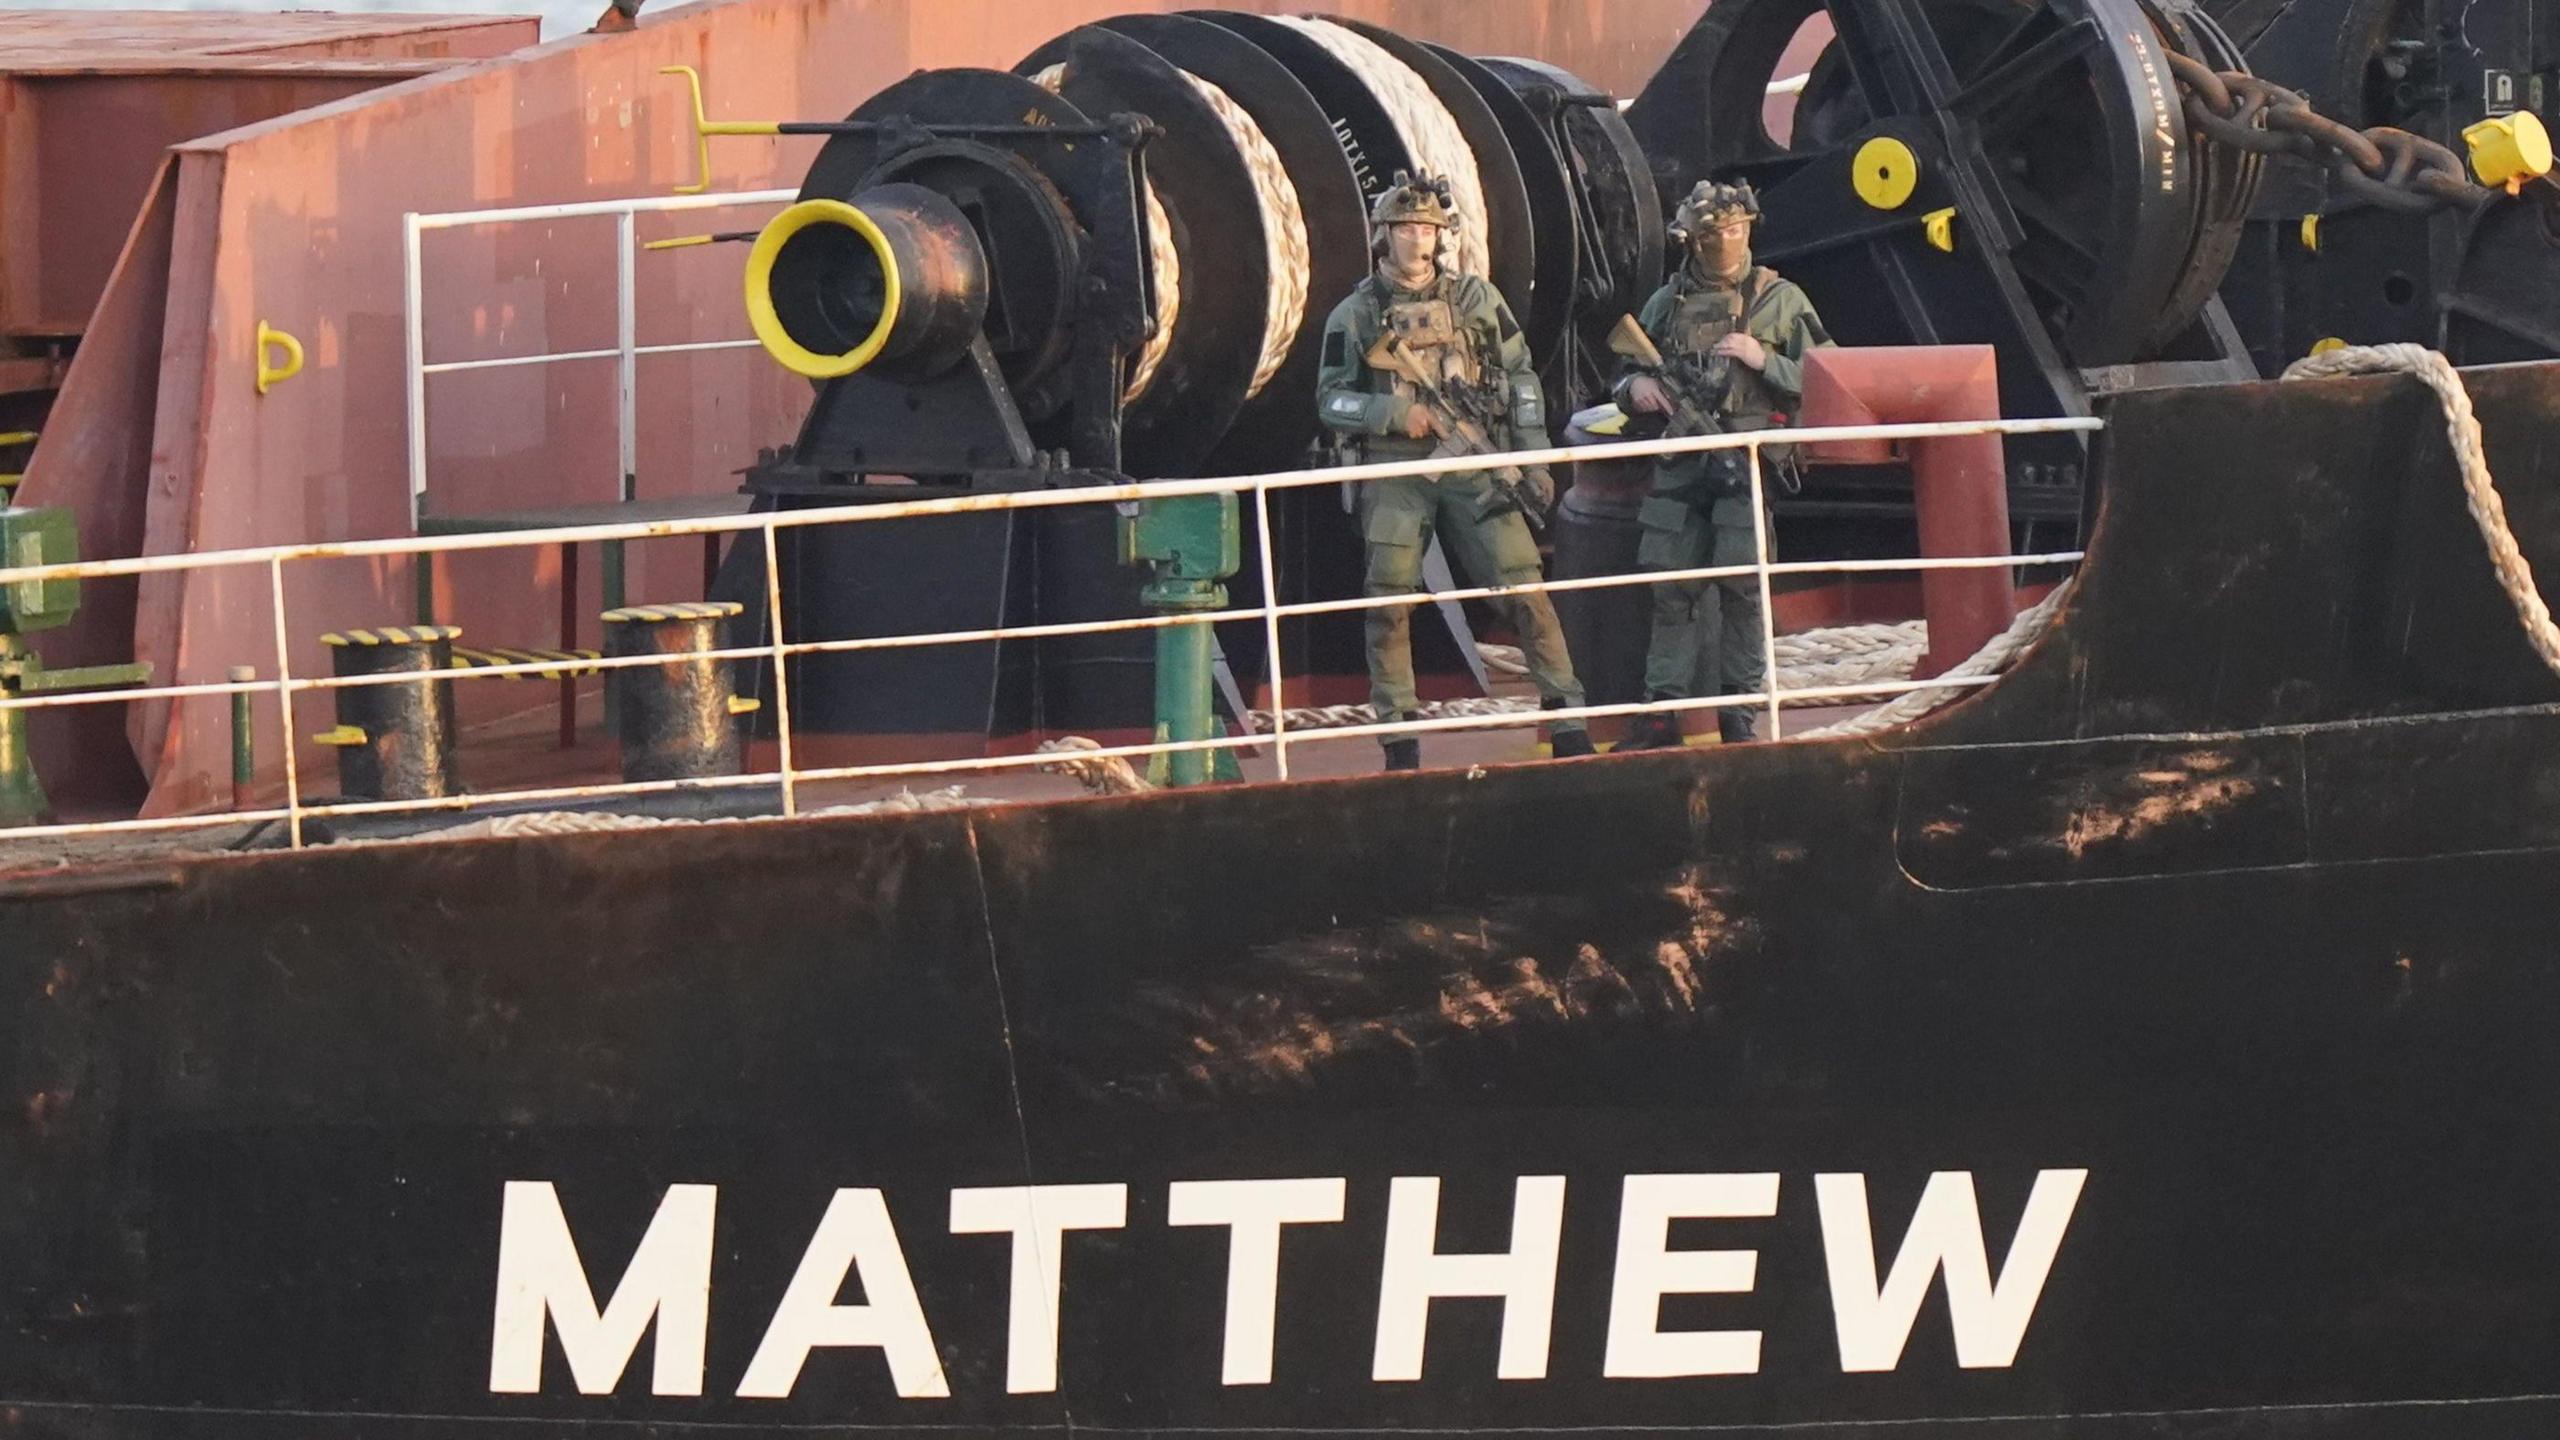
395,742
676,719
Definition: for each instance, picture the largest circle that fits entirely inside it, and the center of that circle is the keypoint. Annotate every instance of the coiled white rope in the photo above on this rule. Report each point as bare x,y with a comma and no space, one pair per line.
1164,262
1848,654
1989,660
1838,655
588,822
1430,133
1100,774
1284,243
1284,232
2479,492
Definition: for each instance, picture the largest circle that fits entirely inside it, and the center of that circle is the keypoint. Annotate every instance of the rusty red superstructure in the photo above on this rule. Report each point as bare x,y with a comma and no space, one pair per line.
296,221
90,102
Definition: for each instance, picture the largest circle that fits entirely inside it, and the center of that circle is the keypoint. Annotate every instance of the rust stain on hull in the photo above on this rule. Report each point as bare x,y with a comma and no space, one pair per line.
1337,1007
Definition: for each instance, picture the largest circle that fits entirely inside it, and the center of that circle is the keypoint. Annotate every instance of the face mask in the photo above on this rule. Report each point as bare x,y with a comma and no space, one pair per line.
1725,252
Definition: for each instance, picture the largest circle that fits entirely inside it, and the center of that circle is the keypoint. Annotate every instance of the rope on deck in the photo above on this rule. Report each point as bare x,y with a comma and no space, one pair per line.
587,822
1989,660
1838,655
2479,492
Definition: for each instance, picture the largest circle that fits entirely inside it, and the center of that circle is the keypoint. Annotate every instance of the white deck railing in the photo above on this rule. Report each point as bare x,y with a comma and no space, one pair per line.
788,776
626,351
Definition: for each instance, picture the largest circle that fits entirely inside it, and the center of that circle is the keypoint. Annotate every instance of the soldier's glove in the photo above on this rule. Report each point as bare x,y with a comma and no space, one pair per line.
1538,487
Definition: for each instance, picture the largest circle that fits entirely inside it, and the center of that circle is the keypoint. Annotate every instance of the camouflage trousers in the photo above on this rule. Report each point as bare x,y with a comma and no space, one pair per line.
1706,633
1490,544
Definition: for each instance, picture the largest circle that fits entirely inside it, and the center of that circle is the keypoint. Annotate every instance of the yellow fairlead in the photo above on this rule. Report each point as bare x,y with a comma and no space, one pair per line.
768,324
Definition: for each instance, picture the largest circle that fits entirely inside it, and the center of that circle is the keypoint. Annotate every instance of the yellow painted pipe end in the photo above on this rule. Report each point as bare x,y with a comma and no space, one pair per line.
767,324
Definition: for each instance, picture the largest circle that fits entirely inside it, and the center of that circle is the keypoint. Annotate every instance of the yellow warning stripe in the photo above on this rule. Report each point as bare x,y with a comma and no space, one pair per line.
562,660
678,610
394,635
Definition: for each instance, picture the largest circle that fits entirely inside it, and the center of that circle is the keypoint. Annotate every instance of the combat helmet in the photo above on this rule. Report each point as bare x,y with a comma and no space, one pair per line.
1710,204
1424,198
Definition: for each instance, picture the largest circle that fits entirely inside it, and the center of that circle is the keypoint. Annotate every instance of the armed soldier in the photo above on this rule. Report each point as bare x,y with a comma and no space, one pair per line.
1421,362
1729,340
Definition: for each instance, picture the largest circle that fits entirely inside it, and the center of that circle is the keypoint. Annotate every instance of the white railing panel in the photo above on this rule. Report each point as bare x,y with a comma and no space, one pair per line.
789,776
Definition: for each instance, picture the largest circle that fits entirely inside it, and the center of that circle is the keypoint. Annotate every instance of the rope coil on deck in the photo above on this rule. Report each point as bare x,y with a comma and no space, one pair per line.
2479,491
1164,262
1284,240
1991,659
1284,232
1430,133
1837,655
590,822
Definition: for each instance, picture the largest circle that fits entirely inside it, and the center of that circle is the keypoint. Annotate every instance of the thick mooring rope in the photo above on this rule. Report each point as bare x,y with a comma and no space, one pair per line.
1991,659
1284,232
1164,263
2479,492
1284,244
1839,655
1101,774
1430,133
589,822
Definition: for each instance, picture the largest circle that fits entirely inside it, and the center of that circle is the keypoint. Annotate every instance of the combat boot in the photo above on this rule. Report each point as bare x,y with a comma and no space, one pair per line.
1404,753
1566,744
1735,727
1657,731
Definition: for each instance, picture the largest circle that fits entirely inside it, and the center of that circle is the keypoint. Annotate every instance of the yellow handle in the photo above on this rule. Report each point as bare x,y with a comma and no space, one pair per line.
704,128
1939,228
269,336
341,735
741,705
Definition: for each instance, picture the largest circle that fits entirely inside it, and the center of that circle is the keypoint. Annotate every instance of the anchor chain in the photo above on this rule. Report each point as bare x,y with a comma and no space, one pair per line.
2386,168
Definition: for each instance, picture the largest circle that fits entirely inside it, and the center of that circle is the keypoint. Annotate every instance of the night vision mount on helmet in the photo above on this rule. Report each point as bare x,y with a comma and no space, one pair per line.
1709,204
1412,199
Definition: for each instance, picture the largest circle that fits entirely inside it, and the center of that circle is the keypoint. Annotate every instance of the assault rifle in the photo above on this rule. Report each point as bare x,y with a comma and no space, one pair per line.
1467,425
1689,415
1696,386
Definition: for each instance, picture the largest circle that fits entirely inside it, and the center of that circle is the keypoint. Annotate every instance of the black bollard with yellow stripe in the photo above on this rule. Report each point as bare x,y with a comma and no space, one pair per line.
395,742
677,719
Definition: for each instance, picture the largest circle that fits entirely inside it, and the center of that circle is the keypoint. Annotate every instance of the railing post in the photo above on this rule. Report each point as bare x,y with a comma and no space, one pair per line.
1271,629
412,287
1768,616
781,676
614,585
627,387
284,705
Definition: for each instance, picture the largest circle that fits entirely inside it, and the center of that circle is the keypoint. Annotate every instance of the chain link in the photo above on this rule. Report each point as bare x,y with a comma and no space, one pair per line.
2386,168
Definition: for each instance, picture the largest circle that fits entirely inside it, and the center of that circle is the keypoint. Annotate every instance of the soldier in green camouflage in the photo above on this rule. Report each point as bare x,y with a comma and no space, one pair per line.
1454,333
1733,337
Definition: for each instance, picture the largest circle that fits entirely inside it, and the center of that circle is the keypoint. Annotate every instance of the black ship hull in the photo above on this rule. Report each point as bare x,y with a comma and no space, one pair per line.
2162,1044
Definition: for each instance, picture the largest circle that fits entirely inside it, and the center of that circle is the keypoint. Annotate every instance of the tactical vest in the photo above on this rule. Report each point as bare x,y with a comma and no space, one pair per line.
1432,330
1701,315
